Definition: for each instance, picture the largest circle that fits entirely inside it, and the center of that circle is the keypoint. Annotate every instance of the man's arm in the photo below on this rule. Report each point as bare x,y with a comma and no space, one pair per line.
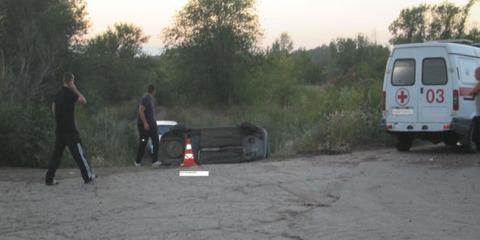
475,90
80,98
53,108
141,112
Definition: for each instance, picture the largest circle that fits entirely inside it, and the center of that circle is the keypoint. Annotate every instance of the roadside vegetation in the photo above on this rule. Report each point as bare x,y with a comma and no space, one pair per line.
212,72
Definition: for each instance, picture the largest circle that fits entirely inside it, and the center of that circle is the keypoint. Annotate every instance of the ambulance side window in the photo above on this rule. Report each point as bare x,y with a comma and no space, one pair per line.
434,71
403,72
467,68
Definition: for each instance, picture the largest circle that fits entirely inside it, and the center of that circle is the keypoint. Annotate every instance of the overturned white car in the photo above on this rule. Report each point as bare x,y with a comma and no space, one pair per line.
242,143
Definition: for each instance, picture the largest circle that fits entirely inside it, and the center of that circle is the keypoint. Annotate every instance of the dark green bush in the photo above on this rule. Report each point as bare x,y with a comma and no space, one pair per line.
26,134
108,136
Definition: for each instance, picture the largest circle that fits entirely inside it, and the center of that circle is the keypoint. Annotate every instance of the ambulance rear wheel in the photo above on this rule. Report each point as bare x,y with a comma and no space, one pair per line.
404,143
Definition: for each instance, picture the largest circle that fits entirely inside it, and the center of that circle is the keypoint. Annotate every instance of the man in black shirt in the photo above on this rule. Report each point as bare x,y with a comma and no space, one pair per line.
147,127
66,131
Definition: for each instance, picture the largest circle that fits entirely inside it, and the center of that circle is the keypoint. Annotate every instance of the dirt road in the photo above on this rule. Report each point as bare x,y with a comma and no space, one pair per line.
429,193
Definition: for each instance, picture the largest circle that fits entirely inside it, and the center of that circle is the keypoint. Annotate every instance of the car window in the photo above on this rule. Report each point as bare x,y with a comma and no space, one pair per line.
466,70
403,72
162,129
434,71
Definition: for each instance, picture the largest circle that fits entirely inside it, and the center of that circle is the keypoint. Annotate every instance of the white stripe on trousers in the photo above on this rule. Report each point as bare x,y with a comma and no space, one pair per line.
89,171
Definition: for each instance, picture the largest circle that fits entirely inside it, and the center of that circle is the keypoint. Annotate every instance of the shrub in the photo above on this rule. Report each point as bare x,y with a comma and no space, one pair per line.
26,134
350,118
108,140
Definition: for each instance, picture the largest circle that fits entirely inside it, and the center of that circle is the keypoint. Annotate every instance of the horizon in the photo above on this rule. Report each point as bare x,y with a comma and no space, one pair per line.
306,21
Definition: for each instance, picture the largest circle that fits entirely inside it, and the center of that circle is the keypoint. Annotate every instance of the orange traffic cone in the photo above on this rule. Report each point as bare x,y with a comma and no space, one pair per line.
188,158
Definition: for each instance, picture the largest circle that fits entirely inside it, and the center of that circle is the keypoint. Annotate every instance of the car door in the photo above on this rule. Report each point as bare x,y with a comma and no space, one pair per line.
401,99
436,92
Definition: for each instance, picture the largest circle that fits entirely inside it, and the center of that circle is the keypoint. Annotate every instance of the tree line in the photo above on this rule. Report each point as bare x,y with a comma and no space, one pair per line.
212,59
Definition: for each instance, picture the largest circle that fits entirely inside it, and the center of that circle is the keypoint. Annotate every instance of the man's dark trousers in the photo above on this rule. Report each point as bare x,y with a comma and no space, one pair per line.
73,142
144,135
476,130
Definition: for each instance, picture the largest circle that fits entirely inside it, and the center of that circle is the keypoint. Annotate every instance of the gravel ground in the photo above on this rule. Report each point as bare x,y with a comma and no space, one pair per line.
428,193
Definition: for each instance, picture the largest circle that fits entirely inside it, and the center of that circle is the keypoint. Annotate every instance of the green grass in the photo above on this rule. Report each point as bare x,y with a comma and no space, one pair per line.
318,119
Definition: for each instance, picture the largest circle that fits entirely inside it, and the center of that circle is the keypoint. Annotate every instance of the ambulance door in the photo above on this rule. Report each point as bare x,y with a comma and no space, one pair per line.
401,100
436,92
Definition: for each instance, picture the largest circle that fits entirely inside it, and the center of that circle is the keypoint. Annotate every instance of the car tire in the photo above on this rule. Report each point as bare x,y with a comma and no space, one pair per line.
171,150
404,143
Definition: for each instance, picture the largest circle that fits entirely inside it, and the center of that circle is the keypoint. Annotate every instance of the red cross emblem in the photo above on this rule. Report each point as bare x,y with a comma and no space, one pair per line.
402,96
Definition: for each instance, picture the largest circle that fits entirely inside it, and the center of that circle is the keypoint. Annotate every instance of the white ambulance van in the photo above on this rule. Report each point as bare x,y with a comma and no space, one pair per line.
426,93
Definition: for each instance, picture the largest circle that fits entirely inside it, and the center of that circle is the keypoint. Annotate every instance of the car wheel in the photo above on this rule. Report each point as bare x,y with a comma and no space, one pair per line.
174,148
404,143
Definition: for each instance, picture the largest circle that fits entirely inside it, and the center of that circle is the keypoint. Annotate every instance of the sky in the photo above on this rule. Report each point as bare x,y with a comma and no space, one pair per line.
310,23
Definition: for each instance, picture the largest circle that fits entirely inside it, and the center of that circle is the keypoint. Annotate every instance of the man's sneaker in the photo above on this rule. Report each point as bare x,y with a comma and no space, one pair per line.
137,164
91,179
53,182
156,164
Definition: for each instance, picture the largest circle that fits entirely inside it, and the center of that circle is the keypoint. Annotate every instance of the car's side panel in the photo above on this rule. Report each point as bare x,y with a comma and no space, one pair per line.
232,144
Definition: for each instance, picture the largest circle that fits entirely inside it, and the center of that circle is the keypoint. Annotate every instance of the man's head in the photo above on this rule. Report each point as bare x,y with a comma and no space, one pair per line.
151,90
68,78
477,74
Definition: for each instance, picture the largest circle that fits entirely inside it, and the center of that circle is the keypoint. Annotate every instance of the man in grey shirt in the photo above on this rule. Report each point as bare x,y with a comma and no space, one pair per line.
147,127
